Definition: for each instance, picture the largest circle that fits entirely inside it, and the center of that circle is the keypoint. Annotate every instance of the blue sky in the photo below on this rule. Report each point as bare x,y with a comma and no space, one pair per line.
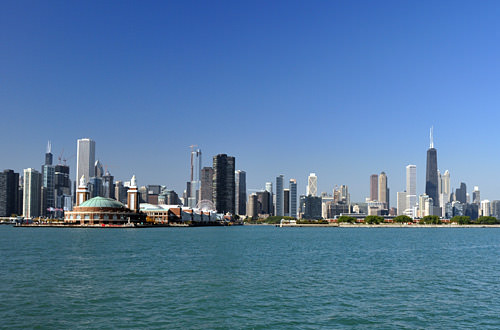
341,88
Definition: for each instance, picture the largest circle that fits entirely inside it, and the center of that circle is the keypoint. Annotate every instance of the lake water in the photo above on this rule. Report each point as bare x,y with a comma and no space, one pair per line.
250,277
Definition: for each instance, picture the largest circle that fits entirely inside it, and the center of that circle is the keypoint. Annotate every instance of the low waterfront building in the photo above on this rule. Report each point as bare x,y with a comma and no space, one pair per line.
168,214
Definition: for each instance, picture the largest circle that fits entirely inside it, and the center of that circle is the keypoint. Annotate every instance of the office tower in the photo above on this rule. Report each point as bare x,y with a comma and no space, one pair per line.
253,204
485,208
85,159
269,189
495,209
224,183
445,185
344,194
293,198
411,186
62,188
48,198
476,195
32,193
206,178
431,175
421,205
241,192
9,193
95,187
279,208
98,169
108,186
286,202
401,200
312,185
193,185
263,203
383,193
312,207
461,193
48,182
374,187
120,192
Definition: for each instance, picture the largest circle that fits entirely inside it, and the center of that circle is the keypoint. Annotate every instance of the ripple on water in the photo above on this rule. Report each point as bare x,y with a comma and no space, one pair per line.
250,278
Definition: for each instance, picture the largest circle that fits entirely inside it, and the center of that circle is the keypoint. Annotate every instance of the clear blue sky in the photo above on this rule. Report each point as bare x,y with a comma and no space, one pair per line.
341,88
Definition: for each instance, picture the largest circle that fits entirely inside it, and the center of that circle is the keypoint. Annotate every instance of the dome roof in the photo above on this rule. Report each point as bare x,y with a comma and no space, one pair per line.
102,202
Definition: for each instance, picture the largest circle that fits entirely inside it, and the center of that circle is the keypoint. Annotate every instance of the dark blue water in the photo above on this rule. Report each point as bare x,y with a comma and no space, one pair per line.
251,277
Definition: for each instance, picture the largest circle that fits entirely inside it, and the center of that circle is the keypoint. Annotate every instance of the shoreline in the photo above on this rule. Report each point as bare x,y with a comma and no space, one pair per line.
386,226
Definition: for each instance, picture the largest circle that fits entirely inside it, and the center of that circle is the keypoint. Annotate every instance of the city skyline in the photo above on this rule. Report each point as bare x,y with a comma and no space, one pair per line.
330,71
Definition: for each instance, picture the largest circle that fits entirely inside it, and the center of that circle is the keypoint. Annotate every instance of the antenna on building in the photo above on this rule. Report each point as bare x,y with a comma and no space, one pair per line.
432,139
49,147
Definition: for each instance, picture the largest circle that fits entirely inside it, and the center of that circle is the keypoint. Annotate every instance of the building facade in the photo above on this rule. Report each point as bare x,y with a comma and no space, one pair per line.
374,187
32,193
241,192
85,159
224,183
9,187
293,198
280,203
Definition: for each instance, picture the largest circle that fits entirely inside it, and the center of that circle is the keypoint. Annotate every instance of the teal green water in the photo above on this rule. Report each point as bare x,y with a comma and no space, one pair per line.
250,277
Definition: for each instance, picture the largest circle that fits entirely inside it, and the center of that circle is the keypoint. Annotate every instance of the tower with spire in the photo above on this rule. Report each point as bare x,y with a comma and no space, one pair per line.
431,175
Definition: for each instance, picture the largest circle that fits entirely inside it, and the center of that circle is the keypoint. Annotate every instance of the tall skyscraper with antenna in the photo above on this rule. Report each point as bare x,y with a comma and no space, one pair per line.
48,200
431,175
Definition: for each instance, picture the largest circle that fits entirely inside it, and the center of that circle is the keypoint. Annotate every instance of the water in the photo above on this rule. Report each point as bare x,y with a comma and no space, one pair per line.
251,277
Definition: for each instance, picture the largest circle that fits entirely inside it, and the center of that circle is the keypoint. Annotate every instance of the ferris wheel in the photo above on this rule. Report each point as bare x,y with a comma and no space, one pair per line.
205,205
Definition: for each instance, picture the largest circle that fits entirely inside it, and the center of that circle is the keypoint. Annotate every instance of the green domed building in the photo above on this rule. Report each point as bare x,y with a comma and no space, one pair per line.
101,211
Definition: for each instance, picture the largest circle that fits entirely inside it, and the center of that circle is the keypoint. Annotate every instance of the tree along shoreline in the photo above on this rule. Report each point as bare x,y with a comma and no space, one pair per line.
374,220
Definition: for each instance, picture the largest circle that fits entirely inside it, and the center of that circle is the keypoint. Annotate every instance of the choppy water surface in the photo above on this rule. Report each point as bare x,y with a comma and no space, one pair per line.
251,277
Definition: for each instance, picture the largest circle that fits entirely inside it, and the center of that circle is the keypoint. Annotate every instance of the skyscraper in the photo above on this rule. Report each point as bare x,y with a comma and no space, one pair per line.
286,202
312,185
374,187
85,159
108,186
62,187
383,192
269,189
431,175
461,193
241,192
293,198
476,195
280,205
48,202
206,186
31,193
224,183
193,185
401,202
9,187
411,187
98,169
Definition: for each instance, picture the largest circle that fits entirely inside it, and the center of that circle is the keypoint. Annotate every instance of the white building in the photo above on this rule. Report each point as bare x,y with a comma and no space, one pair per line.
485,208
401,196
32,193
411,187
85,159
312,185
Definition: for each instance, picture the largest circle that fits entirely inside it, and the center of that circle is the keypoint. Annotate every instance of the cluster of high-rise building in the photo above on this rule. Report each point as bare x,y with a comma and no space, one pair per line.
221,188
439,199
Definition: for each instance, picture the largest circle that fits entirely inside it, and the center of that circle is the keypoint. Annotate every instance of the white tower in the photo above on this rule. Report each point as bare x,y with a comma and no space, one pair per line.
133,195
312,185
85,159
